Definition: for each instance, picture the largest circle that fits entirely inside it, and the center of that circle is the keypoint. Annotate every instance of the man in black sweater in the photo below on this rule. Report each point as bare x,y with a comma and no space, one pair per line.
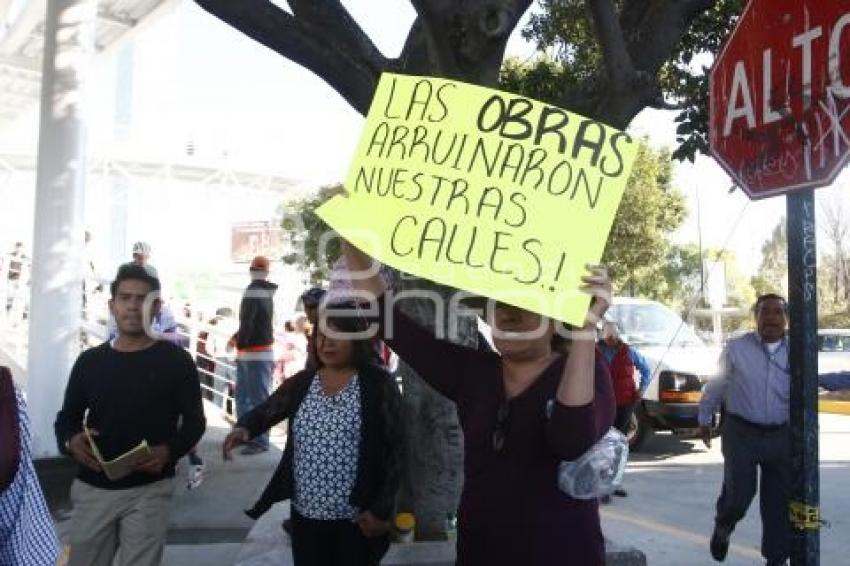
134,388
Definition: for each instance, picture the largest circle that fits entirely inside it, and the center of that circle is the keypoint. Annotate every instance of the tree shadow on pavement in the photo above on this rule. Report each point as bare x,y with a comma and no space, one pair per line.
667,445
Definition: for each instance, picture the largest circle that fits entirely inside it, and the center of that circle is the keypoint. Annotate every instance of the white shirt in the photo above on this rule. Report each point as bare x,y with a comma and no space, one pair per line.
754,382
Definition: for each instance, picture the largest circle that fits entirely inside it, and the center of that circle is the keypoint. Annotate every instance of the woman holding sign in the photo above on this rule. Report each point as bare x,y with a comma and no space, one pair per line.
523,411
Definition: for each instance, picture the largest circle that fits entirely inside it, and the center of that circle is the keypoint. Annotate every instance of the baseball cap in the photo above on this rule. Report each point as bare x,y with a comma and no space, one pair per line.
260,263
142,248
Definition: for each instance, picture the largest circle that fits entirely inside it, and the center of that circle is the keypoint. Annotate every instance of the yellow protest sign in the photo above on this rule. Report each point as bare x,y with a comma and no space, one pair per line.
483,190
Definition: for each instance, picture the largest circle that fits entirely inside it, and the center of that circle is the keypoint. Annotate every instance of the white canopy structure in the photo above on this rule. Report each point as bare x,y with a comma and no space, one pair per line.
47,51
22,42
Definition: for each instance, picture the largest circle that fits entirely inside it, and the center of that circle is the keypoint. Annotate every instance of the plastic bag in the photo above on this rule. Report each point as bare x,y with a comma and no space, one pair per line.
599,471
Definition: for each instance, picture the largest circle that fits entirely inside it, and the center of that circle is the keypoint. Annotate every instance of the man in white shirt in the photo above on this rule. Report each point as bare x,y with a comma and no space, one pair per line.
754,385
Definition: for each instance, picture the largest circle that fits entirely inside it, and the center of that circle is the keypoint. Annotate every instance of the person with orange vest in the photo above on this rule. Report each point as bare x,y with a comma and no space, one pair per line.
254,342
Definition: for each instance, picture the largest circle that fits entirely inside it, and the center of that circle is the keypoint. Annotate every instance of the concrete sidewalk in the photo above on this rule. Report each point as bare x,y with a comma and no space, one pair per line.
208,525
267,545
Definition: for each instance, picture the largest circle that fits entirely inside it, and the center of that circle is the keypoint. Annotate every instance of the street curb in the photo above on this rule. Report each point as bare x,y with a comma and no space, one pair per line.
55,476
618,555
266,544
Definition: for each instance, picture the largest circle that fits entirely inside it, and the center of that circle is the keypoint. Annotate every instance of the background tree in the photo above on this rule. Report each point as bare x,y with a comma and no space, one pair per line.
681,270
650,211
661,55
739,289
833,266
773,272
304,229
466,40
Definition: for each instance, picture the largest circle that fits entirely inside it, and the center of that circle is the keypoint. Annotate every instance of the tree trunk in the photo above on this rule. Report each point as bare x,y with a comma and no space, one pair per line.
465,43
846,280
838,275
432,473
433,478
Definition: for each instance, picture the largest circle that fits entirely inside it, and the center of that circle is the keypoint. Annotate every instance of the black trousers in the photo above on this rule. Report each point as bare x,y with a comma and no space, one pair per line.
746,451
333,543
623,416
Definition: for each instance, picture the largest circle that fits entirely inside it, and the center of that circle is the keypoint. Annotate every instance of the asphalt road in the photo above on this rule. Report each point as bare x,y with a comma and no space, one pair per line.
673,484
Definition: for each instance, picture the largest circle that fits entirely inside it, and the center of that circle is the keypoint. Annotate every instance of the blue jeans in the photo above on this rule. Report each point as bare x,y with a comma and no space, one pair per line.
253,381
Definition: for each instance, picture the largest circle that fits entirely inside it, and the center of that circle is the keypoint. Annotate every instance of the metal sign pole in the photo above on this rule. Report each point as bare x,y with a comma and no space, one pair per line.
802,301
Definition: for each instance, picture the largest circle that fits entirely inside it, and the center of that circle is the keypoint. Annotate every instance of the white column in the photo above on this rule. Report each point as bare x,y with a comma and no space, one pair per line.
57,272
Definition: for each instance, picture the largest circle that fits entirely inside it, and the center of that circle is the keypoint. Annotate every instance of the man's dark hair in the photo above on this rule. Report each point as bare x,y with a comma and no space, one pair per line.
770,297
130,271
312,297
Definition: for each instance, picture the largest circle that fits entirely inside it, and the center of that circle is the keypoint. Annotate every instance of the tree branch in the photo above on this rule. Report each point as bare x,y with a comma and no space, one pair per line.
618,62
332,17
691,8
650,30
442,58
352,67
414,58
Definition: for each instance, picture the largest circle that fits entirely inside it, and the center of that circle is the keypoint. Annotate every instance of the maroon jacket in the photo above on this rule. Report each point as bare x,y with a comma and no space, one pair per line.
511,510
10,435
622,370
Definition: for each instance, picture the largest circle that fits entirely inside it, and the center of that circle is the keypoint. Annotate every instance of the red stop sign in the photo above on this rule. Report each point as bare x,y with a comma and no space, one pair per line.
780,96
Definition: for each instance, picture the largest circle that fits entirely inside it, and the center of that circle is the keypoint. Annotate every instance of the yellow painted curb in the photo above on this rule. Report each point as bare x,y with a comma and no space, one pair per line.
834,407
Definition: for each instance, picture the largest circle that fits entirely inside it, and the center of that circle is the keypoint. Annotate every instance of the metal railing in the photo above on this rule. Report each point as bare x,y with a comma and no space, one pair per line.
14,309
217,371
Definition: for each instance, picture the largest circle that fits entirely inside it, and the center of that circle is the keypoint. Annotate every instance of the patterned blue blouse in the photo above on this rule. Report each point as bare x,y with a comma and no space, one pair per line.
326,432
27,536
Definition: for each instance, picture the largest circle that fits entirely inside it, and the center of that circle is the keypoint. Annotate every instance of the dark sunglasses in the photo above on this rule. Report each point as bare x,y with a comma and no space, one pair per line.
501,431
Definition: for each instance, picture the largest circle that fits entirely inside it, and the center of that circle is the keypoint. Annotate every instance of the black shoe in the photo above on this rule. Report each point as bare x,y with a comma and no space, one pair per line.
620,492
287,526
777,562
720,542
252,449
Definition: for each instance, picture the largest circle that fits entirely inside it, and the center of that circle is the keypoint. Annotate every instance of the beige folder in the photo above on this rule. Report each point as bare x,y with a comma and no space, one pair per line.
124,464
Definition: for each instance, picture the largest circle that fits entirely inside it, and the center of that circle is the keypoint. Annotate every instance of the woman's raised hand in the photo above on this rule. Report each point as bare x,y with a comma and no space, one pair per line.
365,275
597,283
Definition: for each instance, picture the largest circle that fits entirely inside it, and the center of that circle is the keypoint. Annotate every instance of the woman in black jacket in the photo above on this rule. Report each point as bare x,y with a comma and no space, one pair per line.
341,463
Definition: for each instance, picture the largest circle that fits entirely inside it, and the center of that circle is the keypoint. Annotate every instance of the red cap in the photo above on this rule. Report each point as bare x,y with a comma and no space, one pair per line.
260,263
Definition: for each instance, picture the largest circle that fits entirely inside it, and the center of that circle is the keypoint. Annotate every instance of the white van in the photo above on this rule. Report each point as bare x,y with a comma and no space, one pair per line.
679,360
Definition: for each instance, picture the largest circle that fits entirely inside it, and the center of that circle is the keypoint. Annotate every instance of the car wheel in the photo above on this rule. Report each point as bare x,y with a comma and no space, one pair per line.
639,429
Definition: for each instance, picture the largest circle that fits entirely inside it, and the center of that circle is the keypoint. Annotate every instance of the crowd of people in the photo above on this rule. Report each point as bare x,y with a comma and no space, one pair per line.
14,268
538,399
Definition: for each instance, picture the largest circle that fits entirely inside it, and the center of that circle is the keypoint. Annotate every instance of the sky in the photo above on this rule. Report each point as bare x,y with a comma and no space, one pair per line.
312,132
197,81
